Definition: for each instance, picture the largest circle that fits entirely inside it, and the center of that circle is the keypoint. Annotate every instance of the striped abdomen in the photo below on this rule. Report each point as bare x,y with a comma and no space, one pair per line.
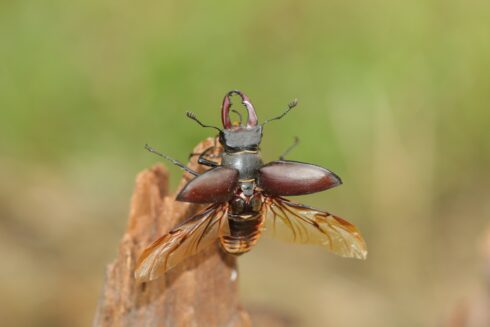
244,233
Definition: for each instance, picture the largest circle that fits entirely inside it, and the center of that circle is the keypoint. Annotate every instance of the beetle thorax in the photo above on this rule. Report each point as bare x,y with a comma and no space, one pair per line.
241,138
247,163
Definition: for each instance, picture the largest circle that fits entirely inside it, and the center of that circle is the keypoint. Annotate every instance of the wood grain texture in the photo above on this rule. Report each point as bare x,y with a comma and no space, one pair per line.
202,291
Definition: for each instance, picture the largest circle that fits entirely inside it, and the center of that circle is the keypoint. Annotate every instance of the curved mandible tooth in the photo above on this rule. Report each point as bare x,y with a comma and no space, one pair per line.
225,109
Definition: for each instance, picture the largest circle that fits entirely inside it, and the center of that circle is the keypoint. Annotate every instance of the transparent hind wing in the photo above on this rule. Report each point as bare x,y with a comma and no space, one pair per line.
185,240
294,222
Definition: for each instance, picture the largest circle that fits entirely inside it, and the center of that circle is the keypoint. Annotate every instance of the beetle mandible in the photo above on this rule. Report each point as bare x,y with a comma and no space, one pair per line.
245,199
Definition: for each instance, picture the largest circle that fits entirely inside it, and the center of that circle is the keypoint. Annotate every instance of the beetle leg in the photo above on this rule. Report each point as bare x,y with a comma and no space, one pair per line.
206,162
203,161
205,152
174,161
192,154
292,146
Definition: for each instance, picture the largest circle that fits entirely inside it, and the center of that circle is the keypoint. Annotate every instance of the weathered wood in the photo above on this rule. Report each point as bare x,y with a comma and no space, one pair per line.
203,291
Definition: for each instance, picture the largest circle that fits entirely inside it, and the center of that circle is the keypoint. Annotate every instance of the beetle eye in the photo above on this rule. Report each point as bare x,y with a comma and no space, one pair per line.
237,206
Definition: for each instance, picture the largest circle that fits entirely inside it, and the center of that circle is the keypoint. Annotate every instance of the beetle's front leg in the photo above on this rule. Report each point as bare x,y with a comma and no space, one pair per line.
207,150
206,162
203,161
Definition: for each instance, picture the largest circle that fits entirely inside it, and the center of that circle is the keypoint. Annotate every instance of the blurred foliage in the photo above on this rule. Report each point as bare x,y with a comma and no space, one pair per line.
392,98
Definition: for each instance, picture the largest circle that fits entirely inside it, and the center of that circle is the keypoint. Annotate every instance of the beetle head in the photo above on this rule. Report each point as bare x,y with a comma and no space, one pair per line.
238,137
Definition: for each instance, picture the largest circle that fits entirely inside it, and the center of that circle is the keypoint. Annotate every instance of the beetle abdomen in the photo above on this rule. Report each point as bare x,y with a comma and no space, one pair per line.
244,234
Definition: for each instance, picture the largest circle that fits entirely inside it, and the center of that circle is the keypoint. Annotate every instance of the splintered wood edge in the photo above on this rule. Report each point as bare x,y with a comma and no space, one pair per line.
123,301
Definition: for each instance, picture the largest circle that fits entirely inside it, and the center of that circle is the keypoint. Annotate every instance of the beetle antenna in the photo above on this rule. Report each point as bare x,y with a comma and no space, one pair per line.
192,116
174,161
291,105
239,115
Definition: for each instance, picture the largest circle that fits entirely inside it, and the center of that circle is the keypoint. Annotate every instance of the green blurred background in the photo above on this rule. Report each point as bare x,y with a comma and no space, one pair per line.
393,97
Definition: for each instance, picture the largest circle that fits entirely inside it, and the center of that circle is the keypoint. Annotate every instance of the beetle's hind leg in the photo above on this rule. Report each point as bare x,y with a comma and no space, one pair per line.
292,146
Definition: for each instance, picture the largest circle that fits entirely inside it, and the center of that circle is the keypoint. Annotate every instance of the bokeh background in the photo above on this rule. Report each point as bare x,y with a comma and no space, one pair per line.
393,97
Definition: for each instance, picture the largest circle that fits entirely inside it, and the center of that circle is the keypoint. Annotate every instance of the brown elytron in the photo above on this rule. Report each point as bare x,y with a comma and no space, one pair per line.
246,201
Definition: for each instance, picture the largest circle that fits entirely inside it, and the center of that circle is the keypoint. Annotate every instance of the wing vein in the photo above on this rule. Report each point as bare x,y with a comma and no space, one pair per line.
302,224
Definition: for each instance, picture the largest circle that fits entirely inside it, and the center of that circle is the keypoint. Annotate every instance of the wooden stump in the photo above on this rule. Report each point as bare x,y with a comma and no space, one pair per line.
202,291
